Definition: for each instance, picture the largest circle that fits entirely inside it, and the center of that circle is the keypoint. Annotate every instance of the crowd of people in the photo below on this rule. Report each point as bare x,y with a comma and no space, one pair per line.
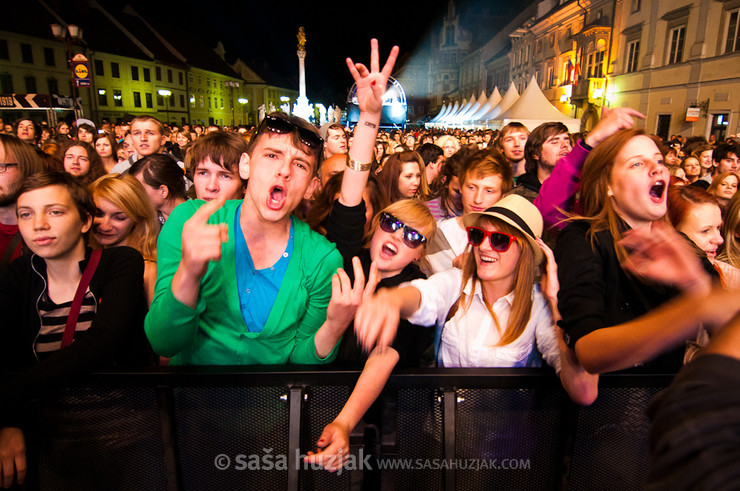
141,243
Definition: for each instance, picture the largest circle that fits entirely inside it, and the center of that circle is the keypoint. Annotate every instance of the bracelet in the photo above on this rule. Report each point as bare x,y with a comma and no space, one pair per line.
358,166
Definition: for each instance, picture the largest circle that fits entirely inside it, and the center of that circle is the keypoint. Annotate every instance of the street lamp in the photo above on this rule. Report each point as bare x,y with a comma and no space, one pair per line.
231,84
71,34
166,94
243,101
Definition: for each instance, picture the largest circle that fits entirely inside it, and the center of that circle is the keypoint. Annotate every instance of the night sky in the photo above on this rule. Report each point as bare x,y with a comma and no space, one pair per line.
265,32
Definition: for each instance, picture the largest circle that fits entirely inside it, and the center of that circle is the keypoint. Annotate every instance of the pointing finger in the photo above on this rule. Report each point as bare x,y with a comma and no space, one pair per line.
203,213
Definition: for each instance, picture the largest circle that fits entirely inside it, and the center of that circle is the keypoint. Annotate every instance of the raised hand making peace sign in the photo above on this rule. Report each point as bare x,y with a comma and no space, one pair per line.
371,83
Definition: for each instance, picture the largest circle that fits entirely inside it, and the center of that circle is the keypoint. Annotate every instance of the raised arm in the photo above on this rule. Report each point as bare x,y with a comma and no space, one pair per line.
370,89
558,192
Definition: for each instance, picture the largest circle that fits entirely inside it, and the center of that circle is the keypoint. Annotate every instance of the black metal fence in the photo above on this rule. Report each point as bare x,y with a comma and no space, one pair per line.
439,429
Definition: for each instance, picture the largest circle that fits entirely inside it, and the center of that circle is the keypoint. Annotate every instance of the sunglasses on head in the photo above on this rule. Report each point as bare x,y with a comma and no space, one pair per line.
283,127
411,236
500,242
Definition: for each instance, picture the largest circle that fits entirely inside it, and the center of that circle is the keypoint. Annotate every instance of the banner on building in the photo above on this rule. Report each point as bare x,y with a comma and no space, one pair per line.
37,101
81,70
692,114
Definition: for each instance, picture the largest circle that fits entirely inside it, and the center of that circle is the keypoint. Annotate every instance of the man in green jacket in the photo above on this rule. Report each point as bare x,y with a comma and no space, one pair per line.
244,282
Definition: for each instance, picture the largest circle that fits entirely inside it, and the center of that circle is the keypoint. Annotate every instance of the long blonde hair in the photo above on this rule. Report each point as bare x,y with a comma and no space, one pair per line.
524,278
127,194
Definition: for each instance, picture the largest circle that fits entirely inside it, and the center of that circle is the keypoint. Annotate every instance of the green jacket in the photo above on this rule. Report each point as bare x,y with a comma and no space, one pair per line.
214,333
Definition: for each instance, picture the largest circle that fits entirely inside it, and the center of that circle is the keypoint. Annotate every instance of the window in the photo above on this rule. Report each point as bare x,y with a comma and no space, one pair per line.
53,85
158,73
675,42
6,83
4,54
635,7
26,53
149,100
192,100
30,84
550,80
182,100
169,75
190,77
114,70
49,57
733,33
633,53
99,68
160,100
664,125
180,78
117,98
102,97
596,65
137,99
134,72
208,82
147,75
450,35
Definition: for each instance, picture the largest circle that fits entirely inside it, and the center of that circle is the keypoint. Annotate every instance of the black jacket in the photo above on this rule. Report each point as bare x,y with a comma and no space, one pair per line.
345,227
115,338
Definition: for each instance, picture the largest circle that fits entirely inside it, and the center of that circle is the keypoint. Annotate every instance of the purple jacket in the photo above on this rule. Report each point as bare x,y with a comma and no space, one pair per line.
558,192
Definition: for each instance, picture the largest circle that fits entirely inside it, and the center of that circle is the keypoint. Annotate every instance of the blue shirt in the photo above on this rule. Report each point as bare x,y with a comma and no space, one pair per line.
258,289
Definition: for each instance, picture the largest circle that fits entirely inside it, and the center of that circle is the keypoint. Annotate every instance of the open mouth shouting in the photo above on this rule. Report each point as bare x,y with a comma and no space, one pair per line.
276,198
657,191
389,250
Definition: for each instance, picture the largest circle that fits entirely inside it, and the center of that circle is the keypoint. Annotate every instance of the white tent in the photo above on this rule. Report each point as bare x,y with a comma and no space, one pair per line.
506,101
455,119
475,107
487,106
440,114
532,109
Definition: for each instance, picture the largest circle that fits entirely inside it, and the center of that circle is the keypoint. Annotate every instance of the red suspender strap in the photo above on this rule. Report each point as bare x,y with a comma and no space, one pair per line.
74,310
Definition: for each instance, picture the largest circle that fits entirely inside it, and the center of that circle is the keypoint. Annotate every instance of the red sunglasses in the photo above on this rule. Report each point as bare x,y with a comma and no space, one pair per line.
500,242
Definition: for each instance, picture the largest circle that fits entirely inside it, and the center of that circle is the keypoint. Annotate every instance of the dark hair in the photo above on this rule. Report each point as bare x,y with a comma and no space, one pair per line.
222,147
389,175
96,164
160,169
36,128
723,150
317,152
90,129
81,196
539,135
430,152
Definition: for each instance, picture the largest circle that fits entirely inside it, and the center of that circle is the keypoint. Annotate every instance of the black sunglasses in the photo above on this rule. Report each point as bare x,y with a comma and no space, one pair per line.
411,236
283,127
500,242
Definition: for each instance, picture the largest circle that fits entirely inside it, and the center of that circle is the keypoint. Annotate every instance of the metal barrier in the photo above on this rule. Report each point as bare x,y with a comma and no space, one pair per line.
436,429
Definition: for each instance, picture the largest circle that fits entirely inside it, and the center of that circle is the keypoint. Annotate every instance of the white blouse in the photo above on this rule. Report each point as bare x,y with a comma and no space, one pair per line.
469,338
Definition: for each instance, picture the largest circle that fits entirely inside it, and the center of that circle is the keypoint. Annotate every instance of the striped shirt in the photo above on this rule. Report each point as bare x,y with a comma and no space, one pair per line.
54,320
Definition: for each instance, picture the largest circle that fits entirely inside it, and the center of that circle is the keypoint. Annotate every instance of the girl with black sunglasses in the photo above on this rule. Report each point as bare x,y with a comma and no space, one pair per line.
493,312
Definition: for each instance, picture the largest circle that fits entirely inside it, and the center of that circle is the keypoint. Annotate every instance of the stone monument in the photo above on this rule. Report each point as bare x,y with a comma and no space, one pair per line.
302,108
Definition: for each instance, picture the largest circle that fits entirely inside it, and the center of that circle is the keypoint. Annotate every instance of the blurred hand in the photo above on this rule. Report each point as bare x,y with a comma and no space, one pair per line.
612,120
